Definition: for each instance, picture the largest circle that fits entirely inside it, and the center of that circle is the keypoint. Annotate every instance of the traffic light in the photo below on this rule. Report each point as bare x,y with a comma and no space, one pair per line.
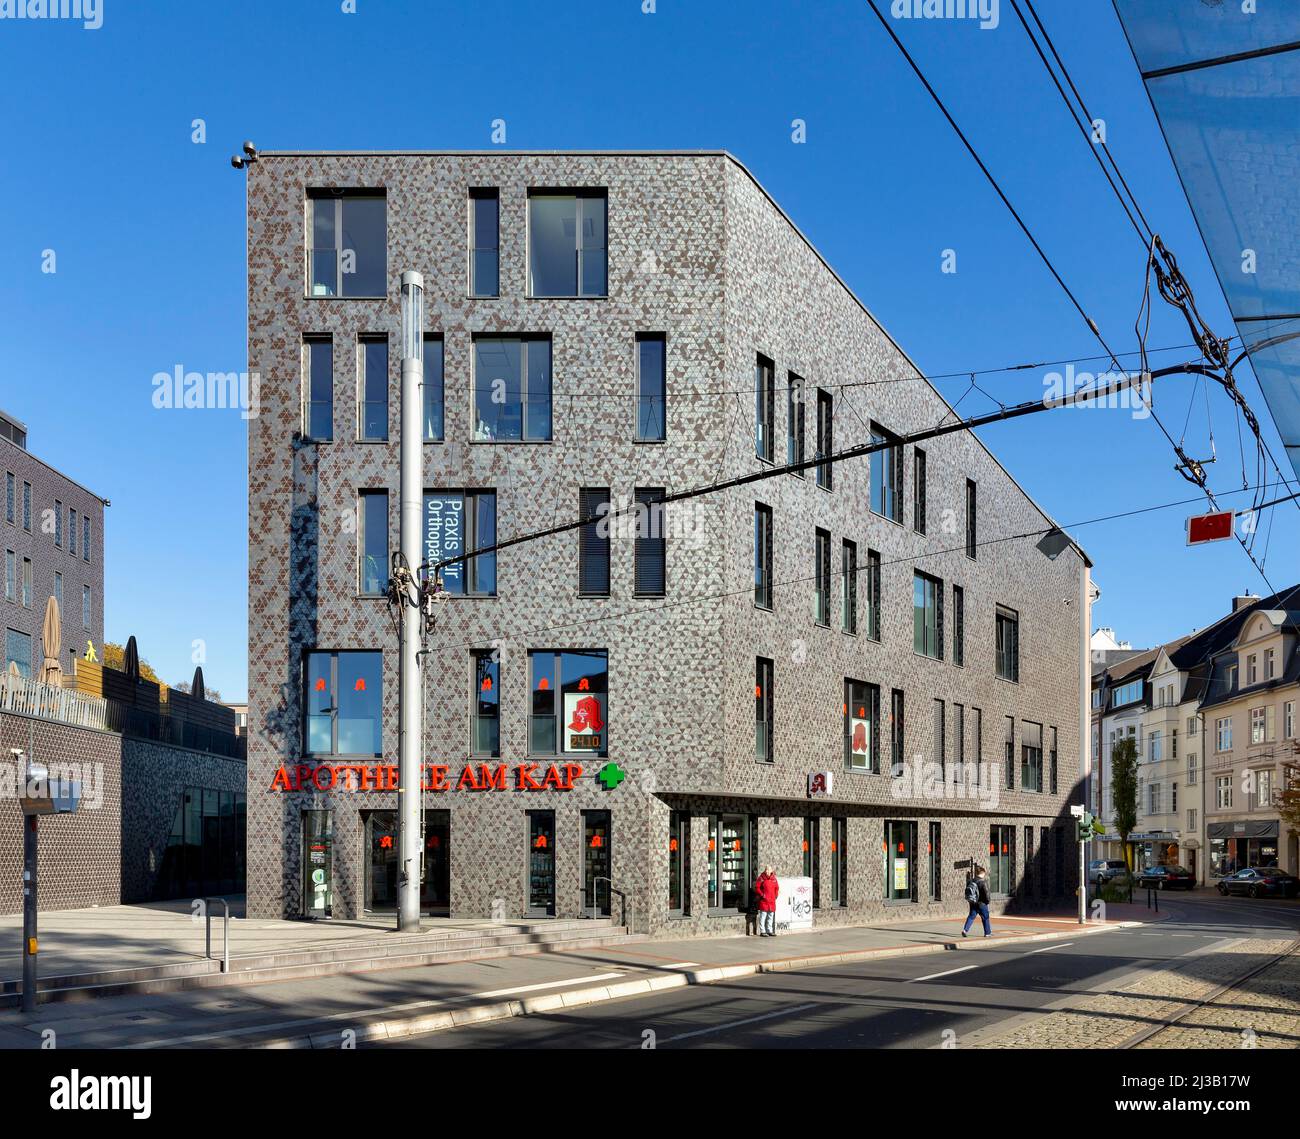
1089,826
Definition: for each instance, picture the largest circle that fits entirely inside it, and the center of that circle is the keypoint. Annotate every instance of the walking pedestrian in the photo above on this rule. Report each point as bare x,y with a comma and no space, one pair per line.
766,889
977,894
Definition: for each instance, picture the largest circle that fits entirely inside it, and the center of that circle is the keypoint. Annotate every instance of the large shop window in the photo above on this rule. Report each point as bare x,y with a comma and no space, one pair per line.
512,389
1002,856
567,254
861,715
485,734
205,847
732,858
347,251
344,697
541,863
456,522
679,845
900,861
569,714
382,862
839,861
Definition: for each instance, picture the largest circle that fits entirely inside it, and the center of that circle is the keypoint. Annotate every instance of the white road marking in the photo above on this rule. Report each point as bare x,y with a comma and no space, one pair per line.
546,985
740,1023
946,973
1048,948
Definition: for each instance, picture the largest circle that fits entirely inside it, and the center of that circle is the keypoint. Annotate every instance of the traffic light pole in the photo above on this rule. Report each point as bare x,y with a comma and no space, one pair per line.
409,711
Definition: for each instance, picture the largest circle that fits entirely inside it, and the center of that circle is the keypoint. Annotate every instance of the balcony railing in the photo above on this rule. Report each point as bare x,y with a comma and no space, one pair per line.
47,702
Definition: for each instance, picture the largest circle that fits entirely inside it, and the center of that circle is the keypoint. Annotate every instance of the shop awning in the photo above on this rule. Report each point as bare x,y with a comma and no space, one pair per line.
1250,828
1225,85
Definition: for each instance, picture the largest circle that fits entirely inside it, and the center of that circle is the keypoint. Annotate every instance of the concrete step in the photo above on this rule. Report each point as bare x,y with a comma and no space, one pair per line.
401,952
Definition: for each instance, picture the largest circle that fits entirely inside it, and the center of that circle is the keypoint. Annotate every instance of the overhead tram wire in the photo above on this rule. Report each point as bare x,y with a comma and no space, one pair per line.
747,588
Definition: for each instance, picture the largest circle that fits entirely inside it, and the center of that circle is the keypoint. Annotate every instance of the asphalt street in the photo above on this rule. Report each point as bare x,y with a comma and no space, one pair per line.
891,1003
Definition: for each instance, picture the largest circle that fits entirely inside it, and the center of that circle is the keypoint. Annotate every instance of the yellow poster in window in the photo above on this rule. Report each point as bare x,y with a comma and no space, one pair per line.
900,875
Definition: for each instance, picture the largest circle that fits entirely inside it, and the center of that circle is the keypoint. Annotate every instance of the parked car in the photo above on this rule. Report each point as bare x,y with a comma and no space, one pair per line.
1167,878
1101,871
1259,882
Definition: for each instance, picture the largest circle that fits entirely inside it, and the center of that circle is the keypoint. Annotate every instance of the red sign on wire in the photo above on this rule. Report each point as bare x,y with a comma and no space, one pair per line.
1215,527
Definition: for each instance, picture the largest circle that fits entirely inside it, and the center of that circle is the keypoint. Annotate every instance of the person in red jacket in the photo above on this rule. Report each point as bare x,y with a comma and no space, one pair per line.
766,889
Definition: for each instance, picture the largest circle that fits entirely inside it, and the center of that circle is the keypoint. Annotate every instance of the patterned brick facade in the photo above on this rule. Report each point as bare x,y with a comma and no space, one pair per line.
697,251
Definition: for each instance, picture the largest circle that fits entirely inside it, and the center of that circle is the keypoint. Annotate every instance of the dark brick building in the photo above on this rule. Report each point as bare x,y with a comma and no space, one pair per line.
657,705
53,539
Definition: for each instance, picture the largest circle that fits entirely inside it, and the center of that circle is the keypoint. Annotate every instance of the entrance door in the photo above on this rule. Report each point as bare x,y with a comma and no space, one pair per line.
435,892
595,861
382,862
541,863
317,864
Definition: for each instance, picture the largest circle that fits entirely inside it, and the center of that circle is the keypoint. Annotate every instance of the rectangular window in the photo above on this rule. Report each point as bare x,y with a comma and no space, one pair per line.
512,389
11,575
839,861
977,744
651,387
372,543
1223,734
731,858
569,713
927,615
18,653
1263,790
567,254
1051,760
85,538
485,703
484,242
1191,767
958,626
456,522
650,570
861,715
593,542
938,740
318,412
812,858
1257,725
794,422
58,591
918,490
972,543
1008,643
347,246
848,587
1268,664
762,556
887,475
1128,693
1031,756
344,699
1173,798
1154,746
897,747
11,494
1028,872
1002,855
764,408
900,861
873,594
822,578
1223,791
27,507
763,719
1251,669
434,394
27,582
85,607
934,853
72,532
959,738
679,842
58,524
373,418
825,439
1288,720
1009,753
1191,818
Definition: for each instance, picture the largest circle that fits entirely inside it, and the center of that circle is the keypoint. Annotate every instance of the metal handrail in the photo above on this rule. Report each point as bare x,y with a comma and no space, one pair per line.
225,932
613,890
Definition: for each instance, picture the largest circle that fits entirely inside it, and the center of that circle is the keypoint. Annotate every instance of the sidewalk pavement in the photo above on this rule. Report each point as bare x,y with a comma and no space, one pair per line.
331,1011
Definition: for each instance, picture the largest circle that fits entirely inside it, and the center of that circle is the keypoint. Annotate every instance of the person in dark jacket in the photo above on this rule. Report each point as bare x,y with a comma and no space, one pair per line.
766,889
977,895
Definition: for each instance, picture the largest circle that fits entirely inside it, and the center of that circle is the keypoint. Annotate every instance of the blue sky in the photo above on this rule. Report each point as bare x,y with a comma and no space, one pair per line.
148,230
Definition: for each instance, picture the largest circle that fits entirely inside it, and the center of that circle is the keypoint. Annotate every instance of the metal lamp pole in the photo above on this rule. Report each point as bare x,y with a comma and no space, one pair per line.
409,735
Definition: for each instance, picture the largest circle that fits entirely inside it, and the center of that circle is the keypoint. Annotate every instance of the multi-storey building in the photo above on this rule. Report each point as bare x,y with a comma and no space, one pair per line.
1253,740
52,534
854,671
1124,695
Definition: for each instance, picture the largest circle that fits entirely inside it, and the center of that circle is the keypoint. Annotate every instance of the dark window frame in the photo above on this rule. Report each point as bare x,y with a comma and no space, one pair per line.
482,194
594,576
334,655
763,586
650,550
764,709
918,491
764,408
658,403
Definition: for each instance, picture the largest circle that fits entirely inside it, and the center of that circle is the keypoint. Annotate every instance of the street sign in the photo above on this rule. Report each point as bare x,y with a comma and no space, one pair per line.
965,864
1215,527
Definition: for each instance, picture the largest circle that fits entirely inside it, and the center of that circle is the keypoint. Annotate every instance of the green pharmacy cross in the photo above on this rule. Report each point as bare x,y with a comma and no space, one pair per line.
611,775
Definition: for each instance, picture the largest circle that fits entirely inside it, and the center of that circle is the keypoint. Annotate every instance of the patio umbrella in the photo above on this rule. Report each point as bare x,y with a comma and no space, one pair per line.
131,660
196,687
52,636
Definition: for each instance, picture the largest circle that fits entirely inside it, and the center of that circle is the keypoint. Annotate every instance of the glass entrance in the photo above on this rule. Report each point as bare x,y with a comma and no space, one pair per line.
435,891
382,862
541,863
317,864
595,861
